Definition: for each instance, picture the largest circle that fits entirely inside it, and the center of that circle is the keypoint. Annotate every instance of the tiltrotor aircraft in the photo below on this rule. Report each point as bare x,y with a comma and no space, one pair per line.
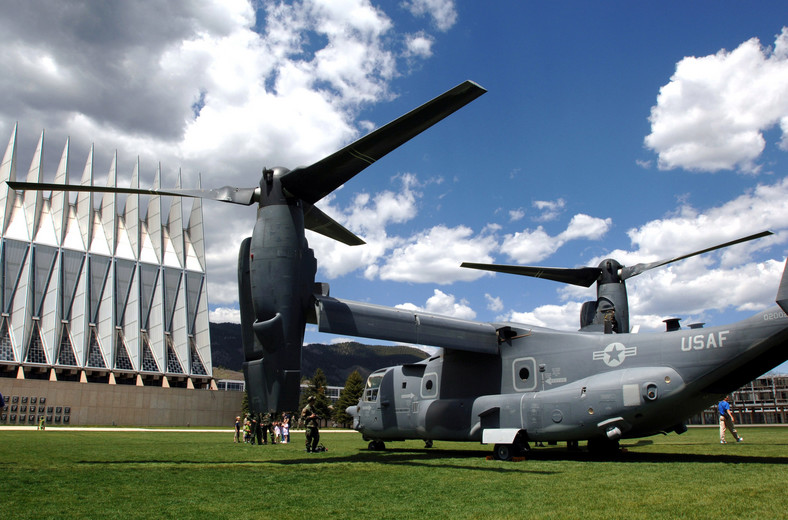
505,384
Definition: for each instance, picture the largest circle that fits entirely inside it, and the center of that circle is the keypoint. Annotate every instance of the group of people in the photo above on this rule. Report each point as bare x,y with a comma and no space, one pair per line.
260,427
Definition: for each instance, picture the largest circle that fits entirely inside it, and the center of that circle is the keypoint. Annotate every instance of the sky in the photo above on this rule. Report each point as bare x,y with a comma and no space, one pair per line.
628,130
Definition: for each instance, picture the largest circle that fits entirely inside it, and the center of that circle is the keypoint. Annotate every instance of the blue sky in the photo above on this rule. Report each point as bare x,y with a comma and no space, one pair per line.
636,130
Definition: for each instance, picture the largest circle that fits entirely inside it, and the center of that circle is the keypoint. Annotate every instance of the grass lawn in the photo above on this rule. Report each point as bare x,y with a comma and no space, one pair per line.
90,474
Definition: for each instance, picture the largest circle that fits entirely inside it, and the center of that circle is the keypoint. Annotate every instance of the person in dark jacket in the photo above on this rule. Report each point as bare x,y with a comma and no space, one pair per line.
311,419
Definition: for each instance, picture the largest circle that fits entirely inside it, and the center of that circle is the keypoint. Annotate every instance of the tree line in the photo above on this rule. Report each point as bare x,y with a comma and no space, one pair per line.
330,414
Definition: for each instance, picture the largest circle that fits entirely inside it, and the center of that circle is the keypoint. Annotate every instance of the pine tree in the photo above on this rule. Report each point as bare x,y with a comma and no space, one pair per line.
245,405
354,388
317,387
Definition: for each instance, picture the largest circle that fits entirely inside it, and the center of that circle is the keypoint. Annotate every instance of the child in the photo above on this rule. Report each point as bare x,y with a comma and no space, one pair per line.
277,432
247,431
285,432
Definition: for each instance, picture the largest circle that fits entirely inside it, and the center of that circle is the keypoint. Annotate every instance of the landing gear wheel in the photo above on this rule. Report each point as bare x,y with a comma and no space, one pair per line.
503,451
428,443
377,445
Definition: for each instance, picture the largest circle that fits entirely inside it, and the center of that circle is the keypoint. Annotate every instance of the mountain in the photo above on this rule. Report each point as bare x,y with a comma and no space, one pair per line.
226,348
337,361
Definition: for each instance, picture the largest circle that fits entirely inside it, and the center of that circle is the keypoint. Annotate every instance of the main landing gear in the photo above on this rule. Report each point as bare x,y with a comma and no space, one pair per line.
509,451
377,445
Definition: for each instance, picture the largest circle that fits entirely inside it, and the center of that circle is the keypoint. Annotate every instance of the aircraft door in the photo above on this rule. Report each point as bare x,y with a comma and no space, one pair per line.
369,407
405,401
407,385
378,404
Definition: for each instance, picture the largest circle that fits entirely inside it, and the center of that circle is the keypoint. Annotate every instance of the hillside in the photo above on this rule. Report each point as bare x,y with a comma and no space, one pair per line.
337,361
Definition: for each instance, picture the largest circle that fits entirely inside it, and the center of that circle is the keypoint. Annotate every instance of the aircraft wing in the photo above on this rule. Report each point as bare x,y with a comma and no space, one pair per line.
387,323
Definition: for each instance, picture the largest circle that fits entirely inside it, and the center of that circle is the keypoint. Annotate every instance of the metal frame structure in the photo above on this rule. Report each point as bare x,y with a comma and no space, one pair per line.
105,294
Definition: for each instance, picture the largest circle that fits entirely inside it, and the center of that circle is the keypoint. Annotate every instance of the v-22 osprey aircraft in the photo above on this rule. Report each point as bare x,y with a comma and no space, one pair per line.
505,384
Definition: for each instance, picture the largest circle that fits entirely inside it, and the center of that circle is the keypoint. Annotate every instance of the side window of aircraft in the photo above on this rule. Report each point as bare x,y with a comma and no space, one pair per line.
429,388
373,385
524,374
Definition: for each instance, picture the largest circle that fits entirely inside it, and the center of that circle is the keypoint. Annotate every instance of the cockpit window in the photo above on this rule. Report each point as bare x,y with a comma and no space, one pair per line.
373,384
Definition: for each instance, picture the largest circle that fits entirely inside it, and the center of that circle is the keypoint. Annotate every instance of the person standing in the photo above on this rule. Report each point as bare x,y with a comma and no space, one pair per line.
726,420
267,430
259,429
285,426
247,430
285,431
237,429
253,427
309,414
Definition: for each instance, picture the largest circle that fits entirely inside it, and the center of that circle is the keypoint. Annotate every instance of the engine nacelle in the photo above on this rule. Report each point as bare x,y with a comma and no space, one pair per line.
276,272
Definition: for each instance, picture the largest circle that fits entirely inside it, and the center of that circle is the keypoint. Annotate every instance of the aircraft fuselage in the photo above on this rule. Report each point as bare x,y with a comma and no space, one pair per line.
570,386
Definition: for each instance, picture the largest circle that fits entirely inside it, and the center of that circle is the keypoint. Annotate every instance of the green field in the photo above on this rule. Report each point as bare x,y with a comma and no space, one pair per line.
89,474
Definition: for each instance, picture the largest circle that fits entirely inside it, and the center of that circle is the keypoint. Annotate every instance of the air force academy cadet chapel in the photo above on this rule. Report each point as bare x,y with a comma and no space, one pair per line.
101,288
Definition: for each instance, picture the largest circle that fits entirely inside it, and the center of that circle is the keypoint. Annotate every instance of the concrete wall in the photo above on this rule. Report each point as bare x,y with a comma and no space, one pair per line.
96,404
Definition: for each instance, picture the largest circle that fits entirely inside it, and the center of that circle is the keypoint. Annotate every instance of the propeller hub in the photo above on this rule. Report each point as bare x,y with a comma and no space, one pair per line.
610,271
272,193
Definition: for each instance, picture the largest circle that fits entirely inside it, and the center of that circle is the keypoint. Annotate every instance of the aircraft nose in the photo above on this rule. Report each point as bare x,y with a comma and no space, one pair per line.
353,412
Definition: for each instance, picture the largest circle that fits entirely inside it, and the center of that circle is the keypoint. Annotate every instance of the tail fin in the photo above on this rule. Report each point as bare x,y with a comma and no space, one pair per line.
782,292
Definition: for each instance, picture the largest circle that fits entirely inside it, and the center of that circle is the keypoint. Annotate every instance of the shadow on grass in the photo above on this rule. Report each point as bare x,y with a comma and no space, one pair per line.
461,459
629,456
407,457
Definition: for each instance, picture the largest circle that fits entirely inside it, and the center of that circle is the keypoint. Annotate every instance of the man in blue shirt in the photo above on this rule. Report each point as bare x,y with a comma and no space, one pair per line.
726,420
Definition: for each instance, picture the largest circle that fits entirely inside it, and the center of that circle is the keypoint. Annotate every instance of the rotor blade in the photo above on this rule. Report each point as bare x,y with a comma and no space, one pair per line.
634,270
243,196
582,276
314,182
319,222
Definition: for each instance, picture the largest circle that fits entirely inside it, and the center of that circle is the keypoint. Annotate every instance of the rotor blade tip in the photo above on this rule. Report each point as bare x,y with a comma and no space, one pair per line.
471,82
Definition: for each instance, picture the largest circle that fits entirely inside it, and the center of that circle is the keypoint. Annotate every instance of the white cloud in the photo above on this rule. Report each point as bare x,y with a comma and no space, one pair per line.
530,246
516,214
494,303
435,255
442,11
419,44
550,209
221,87
443,304
761,208
533,246
693,289
367,216
560,317
584,226
728,279
712,114
697,288
224,315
